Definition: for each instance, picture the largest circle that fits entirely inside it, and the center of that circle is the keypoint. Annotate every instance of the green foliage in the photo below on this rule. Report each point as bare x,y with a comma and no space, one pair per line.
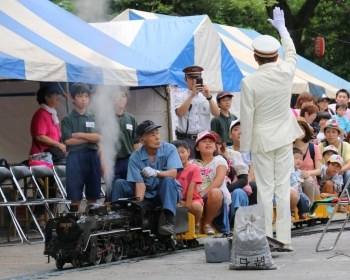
305,20
65,4
331,22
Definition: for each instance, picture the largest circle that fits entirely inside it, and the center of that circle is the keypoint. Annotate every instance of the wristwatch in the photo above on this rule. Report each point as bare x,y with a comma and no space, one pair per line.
209,98
158,172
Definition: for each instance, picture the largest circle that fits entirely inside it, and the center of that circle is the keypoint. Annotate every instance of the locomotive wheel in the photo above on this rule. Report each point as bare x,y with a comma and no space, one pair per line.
158,248
107,256
77,261
98,257
60,264
118,250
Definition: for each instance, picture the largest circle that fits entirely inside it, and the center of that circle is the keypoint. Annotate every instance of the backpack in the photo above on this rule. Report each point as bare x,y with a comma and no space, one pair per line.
311,148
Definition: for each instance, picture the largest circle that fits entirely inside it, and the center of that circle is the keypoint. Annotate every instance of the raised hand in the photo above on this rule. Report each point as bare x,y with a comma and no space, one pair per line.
279,23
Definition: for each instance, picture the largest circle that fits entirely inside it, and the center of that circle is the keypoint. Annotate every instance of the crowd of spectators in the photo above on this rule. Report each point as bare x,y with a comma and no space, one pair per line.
203,169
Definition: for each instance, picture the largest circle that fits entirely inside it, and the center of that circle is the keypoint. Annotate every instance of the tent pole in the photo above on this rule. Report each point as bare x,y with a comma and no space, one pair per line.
166,97
67,97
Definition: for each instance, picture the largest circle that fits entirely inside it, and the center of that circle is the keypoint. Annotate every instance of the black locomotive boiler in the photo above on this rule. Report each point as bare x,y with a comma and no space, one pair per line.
106,233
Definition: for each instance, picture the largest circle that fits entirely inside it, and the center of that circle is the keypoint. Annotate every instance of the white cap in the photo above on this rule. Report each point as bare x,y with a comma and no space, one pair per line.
266,46
233,123
330,148
336,158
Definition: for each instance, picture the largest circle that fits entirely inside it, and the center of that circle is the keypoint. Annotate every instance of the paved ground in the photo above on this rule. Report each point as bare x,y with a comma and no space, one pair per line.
303,263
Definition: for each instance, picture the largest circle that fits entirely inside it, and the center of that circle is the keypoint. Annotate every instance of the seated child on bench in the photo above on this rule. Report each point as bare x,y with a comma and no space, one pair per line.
189,178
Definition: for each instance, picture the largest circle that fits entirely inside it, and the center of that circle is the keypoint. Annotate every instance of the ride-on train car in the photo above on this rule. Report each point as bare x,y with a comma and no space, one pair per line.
104,233
123,229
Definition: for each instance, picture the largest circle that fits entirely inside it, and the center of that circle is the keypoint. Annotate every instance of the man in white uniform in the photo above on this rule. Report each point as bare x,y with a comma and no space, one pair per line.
193,107
269,127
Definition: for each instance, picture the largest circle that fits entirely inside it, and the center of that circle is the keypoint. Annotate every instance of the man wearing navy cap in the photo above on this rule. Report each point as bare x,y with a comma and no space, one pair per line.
221,124
152,171
193,107
269,127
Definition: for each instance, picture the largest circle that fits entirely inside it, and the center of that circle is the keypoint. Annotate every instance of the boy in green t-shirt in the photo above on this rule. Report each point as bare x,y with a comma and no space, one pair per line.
83,165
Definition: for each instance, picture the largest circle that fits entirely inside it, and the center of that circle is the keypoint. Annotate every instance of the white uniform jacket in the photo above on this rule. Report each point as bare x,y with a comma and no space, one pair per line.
266,118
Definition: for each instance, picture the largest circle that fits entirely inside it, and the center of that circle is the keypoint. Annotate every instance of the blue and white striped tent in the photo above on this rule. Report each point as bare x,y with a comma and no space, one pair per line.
42,42
308,77
177,42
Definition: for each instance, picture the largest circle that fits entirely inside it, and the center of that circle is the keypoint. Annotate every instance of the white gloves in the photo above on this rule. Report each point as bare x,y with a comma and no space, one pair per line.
148,172
279,23
246,157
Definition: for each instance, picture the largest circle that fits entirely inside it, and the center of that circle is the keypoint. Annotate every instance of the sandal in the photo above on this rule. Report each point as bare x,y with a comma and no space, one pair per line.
302,216
342,209
208,230
292,216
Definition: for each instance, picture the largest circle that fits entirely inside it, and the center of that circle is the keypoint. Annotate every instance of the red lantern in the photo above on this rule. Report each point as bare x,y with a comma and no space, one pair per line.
319,46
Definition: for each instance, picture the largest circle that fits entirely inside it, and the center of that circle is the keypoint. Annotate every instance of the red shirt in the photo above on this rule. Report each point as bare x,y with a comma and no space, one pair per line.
42,124
191,173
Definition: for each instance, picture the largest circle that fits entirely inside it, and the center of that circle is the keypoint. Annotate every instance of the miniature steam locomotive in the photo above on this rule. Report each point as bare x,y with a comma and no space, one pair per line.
104,233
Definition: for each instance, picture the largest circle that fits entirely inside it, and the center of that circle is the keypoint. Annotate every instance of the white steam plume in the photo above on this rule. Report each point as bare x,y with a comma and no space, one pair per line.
92,10
103,106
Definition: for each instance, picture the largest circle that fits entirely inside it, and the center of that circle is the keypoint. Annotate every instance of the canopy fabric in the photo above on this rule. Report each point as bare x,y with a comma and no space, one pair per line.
309,76
42,42
178,42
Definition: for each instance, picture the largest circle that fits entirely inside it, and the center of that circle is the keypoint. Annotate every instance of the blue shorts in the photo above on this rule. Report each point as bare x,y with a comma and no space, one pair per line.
83,168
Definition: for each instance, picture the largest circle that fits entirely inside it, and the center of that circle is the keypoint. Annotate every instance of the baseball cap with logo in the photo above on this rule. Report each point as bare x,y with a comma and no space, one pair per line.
330,148
205,134
223,94
336,158
323,97
146,126
234,123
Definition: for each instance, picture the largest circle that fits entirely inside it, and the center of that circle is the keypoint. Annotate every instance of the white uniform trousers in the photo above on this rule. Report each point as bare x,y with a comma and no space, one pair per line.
272,174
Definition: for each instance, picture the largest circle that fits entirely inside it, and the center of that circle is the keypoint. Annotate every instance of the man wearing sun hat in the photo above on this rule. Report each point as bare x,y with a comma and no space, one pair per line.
152,171
269,127
193,107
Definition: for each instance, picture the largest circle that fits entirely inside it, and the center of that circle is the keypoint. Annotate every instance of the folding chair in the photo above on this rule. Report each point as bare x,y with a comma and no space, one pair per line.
344,199
59,172
5,176
42,172
5,173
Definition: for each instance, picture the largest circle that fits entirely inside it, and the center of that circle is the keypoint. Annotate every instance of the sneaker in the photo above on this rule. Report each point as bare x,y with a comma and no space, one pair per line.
311,215
196,229
167,229
208,230
285,248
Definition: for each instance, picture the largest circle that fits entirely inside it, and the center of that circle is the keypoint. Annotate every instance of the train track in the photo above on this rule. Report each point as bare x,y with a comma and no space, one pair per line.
318,229
297,232
55,272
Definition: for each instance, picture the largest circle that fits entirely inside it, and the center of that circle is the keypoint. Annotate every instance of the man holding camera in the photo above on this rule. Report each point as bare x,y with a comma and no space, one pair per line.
193,107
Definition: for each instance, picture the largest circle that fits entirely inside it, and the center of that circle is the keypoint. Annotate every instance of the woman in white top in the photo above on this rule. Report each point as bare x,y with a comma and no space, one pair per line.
236,179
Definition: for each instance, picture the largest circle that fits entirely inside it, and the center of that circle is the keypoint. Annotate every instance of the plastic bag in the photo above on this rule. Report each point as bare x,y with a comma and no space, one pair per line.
250,248
41,159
